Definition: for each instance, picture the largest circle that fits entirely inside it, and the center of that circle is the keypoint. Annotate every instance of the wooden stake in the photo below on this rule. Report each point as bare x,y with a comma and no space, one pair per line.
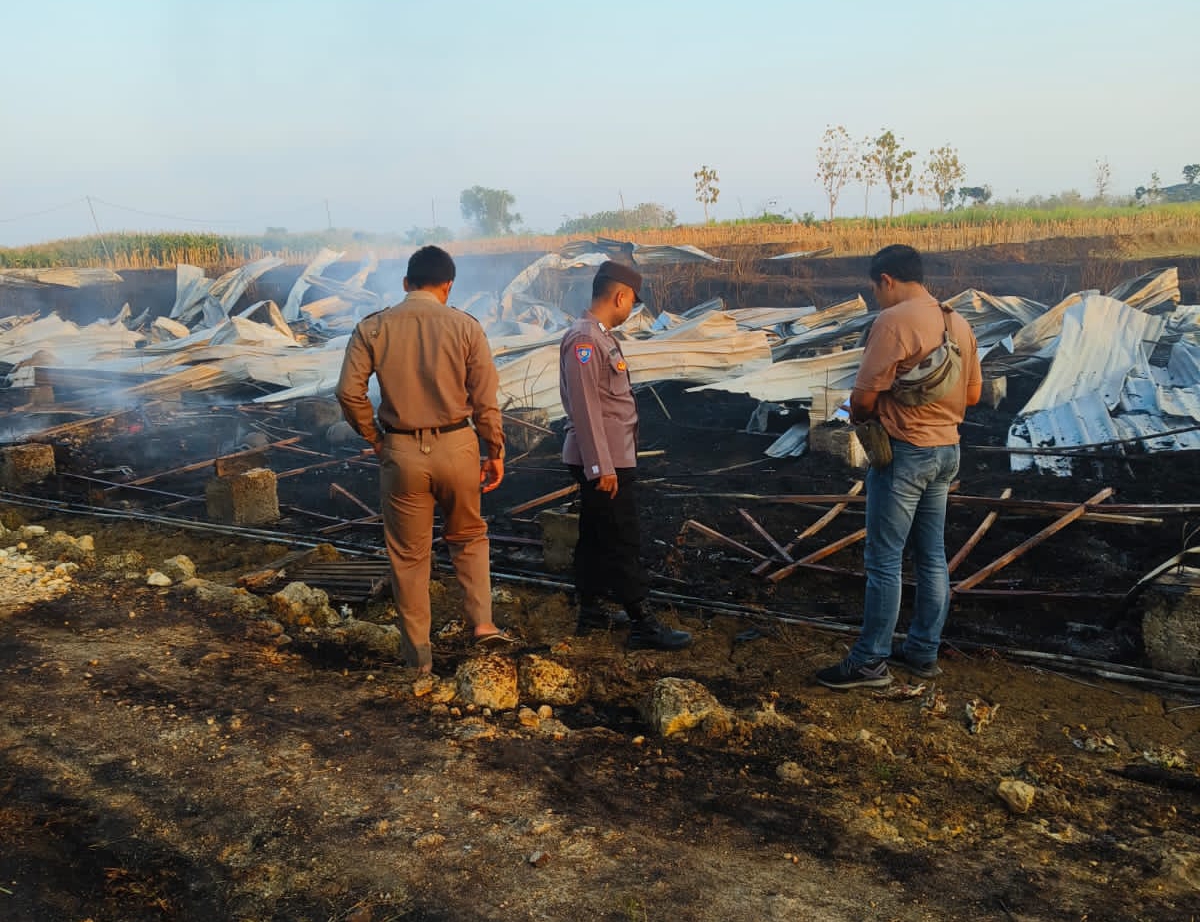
542,500
766,535
337,490
1053,528
978,536
855,489
828,550
717,536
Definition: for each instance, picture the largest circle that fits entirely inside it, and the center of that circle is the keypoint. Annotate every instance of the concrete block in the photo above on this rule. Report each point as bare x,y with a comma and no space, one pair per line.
317,414
994,391
560,534
41,396
837,441
25,464
247,498
1171,622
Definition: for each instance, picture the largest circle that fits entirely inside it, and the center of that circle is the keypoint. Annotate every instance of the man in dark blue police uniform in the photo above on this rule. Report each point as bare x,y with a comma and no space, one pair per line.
601,451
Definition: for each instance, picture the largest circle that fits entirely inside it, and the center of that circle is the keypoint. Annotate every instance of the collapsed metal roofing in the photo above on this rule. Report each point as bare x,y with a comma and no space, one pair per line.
1113,368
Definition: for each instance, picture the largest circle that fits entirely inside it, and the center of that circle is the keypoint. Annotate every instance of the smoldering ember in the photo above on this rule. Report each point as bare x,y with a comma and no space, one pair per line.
207,714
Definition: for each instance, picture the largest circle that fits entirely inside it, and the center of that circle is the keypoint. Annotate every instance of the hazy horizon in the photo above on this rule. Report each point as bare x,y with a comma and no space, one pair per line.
234,117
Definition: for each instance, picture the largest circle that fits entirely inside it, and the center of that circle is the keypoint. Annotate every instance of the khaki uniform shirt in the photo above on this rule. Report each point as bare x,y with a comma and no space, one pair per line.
901,337
593,381
434,367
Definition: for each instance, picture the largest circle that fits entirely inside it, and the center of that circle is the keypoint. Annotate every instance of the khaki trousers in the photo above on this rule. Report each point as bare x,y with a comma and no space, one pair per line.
418,471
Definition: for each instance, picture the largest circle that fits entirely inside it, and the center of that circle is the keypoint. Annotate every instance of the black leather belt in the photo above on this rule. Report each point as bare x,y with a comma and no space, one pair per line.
438,430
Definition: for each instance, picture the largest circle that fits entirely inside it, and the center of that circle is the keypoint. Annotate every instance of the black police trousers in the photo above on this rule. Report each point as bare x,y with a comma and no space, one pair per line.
608,557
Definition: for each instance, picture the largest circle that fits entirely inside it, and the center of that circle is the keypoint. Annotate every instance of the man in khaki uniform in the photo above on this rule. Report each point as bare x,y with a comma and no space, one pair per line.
436,375
906,499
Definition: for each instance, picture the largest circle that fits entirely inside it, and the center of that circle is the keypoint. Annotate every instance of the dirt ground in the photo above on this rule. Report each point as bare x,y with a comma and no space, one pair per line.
163,758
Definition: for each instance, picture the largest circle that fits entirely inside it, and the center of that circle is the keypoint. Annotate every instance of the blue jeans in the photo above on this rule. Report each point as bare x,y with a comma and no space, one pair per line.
907,500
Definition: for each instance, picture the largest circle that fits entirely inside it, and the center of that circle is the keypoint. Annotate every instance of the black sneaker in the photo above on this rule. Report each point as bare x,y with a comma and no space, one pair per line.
930,670
843,675
596,618
650,633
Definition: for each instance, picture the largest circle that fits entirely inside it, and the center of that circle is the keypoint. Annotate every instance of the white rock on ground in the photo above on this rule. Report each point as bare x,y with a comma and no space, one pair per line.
678,705
545,681
179,568
299,605
488,681
1017,795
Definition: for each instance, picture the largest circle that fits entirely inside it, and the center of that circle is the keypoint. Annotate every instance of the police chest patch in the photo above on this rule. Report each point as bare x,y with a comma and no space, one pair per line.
584,354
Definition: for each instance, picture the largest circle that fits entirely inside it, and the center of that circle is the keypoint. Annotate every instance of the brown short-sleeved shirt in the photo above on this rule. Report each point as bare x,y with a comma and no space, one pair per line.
900,338
434,367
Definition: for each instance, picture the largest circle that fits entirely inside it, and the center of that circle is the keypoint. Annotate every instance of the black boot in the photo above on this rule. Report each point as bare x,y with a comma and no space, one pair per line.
595,617
650,633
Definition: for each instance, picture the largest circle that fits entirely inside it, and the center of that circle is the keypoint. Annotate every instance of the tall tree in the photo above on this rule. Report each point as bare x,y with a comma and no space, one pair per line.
835,163
488,210
1103,179
866,170
707,192
1190,172
895,168
943,172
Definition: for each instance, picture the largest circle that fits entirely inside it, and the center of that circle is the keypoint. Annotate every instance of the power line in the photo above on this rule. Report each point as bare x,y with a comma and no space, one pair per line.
35,214
173,217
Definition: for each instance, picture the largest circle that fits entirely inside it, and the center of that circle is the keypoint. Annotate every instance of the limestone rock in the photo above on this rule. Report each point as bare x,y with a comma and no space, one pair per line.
1180,872
488,681
1017,795
179,568
299,605
238,601
527,717
158,579
382,640
546,681
792,773
429,840
62,546
25,464
678,705
122,563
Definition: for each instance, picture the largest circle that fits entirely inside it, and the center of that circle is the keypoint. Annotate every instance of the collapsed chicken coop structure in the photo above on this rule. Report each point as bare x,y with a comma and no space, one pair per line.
217,409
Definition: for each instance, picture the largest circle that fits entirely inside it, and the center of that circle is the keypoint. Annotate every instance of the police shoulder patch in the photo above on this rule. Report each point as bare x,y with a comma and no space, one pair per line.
584,352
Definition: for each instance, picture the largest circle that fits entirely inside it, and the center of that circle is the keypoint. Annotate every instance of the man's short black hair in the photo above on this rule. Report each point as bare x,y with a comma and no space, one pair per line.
604,287
901,262
430,266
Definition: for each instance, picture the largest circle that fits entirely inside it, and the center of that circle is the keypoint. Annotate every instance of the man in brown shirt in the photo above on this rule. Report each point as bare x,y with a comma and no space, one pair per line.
600,450
436,375
906,501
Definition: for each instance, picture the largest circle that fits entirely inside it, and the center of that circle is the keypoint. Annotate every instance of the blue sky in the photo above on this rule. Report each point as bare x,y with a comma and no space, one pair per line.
239,115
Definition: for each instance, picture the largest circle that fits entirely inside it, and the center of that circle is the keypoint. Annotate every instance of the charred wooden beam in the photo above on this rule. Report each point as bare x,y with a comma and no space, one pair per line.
338,490
855,489
821,554
200,465
977,536
1053,528
765,535
542,500
717,536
